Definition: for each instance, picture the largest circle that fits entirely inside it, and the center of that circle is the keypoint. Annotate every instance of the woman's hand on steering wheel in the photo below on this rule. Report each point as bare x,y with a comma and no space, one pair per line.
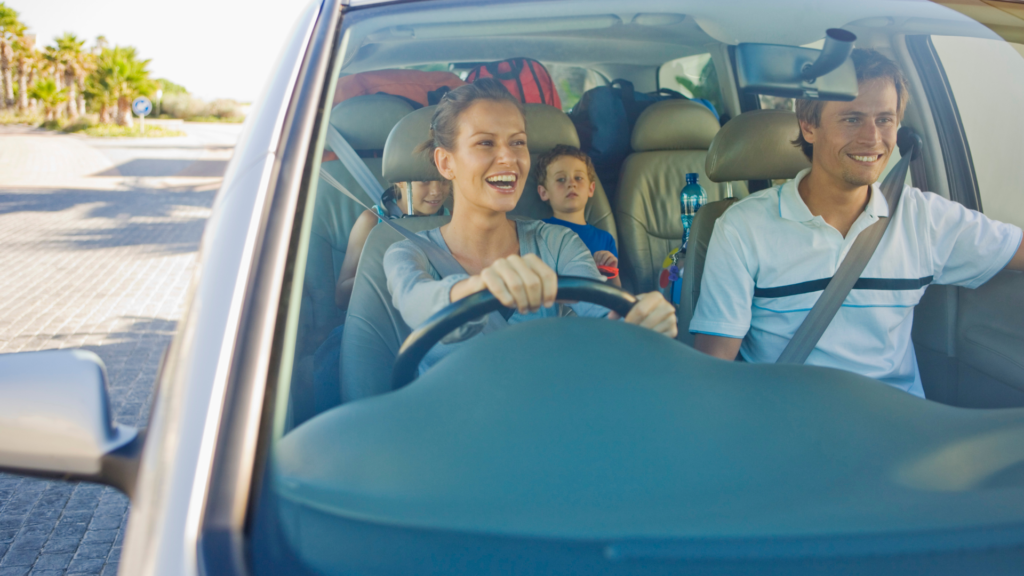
522,282
652,311
527,283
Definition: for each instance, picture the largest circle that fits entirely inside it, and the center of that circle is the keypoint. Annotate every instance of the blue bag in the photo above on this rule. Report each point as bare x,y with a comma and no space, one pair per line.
604,119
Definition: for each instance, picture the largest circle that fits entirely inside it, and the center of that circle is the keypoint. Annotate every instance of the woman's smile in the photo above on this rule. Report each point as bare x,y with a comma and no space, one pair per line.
503,182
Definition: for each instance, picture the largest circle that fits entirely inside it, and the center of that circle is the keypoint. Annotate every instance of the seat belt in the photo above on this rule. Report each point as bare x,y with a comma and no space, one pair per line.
839,287
443,262
366,180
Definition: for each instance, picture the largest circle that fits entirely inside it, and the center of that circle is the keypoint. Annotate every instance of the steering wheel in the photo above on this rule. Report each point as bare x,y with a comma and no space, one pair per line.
477,305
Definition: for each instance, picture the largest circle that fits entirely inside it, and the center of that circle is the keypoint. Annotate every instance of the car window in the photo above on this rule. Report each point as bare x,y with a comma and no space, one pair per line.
338,502
989,105
573,81
694,77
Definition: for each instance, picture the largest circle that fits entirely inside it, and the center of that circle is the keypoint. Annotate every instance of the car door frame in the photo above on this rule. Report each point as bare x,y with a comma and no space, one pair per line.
234,481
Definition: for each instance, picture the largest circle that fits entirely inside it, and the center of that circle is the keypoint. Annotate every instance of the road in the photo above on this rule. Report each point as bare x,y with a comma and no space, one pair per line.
97,244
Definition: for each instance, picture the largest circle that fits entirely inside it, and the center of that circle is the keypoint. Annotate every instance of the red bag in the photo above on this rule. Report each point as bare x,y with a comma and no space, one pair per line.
423,88
527,80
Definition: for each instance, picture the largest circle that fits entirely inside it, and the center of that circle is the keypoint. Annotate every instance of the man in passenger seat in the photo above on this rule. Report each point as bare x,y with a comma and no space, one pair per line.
772,254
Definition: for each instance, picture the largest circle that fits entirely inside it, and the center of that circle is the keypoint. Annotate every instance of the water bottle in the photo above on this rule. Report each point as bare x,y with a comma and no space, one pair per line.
691,198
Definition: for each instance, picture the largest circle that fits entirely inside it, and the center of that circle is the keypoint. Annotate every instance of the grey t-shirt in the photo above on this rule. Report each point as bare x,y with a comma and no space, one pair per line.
418,291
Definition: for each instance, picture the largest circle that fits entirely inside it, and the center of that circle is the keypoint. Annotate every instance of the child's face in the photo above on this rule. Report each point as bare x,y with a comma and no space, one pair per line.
567,186
427,197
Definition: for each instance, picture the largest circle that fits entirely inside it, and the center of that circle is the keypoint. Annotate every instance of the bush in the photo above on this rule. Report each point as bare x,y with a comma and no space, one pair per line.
187,107
82,123
9,116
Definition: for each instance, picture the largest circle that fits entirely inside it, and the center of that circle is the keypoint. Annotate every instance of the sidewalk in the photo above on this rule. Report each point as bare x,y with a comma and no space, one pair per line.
97,245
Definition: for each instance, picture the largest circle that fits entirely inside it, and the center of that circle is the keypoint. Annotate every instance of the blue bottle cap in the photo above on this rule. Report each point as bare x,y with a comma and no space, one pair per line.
691,178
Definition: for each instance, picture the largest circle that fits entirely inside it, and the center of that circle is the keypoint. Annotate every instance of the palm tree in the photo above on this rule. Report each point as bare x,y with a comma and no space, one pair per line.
119,77
75,62
53,64
11,29
26,60
45,90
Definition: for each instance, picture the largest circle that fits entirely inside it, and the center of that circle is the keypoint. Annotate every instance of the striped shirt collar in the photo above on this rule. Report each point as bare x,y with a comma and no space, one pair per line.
792,206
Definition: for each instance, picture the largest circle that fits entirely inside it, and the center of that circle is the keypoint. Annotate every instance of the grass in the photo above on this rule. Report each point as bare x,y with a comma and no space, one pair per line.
12,117
115,131
231,120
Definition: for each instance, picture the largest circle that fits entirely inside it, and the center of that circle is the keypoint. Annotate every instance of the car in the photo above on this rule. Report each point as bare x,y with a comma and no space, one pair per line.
563,445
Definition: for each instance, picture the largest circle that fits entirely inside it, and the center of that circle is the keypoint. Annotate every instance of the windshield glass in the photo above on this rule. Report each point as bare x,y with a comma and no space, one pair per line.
578,445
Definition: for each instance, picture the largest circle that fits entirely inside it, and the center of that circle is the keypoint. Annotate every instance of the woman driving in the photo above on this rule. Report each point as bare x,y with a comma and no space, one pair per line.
478,139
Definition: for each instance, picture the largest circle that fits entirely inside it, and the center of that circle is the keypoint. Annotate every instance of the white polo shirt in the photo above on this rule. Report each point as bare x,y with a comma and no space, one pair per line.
769,260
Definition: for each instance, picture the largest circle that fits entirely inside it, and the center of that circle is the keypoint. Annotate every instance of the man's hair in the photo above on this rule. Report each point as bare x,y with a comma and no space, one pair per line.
557,152
869,65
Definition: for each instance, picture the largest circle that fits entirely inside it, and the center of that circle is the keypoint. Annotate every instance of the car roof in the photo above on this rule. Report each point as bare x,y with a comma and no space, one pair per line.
603,32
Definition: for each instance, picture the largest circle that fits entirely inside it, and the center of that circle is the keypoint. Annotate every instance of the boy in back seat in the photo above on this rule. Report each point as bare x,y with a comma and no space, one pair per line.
566,180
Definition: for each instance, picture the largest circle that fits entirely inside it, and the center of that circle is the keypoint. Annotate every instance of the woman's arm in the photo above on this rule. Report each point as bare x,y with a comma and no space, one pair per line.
356,240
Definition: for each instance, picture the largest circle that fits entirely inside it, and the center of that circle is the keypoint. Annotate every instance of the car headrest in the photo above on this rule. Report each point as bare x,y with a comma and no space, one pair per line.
402,163
674,125
756,145
365,121
547,127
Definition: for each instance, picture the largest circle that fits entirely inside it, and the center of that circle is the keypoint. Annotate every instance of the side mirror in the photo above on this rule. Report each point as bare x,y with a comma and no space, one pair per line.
794,72
55,420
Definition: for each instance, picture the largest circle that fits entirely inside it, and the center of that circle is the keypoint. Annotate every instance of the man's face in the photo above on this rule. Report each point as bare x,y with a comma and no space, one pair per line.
854,140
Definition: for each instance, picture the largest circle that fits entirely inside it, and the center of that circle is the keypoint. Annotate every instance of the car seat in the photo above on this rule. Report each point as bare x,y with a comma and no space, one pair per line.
365,122
755,145
374,329
670,139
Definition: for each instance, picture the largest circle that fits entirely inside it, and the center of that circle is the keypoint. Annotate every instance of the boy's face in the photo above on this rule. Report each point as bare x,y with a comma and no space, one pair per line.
567,186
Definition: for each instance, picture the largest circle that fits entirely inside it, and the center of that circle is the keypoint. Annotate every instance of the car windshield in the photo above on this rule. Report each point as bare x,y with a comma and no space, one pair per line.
577,445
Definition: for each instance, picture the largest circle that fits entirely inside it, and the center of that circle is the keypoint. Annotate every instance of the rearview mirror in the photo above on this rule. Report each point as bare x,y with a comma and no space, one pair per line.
794,72
55,420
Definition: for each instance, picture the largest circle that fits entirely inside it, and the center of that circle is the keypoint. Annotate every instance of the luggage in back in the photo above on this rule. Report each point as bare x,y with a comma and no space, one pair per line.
527,80
604,119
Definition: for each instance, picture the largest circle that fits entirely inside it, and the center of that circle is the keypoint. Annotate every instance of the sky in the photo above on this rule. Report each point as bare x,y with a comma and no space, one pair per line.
215,48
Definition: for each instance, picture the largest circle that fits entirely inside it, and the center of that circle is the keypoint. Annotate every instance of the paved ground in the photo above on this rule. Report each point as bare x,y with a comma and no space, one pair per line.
97,244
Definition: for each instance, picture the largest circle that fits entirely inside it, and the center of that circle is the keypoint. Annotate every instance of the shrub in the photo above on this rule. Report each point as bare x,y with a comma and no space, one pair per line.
83,122
188,107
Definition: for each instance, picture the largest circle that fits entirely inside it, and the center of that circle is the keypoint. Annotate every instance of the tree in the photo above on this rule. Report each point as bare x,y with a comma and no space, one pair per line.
119,77
26,62
76,64
170,87
45,90
11,29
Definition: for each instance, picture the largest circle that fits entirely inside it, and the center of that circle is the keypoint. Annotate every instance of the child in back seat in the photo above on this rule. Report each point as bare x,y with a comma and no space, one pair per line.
566,180
425,199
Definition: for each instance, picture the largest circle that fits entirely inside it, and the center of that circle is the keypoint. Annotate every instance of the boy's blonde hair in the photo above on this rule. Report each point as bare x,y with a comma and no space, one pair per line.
557,152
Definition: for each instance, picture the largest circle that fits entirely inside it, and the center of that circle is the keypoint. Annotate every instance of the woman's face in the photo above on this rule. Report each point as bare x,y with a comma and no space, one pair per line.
427,197
490,162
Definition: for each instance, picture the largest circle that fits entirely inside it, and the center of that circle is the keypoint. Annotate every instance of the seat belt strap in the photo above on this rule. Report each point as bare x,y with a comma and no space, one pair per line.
362,174
443,262
839,287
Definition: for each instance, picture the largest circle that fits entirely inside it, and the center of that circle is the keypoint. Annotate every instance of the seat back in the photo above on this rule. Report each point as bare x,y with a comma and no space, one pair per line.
374,329
755,145
547,127
365,122
670,139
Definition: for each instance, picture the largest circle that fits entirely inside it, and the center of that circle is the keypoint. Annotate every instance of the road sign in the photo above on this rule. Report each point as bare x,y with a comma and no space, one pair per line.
142,106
